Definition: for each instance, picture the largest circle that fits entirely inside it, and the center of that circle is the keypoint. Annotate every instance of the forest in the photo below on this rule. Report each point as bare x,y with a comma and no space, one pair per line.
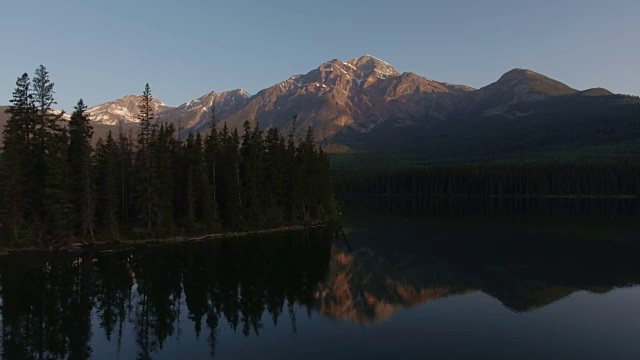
605,179
58,188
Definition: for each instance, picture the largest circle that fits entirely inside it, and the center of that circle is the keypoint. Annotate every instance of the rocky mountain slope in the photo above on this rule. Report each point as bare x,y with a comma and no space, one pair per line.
516,86
125,110
195,115
350,97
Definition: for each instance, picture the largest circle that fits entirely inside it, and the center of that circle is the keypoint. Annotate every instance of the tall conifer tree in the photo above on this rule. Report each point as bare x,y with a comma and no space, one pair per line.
106,176
17,136
144,172
50,196
79,159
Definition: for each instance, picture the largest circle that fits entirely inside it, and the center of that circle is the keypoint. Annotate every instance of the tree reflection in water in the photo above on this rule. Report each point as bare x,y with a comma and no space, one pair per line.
54,304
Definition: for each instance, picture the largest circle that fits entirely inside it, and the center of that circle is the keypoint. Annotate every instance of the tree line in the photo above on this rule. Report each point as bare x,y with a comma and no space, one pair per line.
57,187
535,179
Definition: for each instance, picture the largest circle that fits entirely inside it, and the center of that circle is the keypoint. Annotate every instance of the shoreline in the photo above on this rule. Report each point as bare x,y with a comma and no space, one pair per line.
79,247
573,197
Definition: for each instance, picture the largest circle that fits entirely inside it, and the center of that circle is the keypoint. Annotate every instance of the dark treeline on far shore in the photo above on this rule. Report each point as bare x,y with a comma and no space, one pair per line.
56,187
535,179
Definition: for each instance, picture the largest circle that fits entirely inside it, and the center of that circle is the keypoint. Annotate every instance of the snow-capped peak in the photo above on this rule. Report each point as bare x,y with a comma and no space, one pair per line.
124,109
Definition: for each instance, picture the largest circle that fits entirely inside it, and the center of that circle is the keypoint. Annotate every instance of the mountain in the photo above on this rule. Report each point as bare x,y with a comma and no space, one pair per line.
516,86
373,112
125,110
335,98
195,115
350,97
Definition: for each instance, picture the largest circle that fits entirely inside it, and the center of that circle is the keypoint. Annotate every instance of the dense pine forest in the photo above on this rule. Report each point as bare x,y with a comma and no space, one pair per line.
155,182
533,179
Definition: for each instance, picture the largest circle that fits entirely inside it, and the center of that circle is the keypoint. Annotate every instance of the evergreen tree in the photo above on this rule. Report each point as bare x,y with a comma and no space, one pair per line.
327,202
145,116
50,196
79,159
107,184
273,186
57,204
15,161
228,180
212,150
126,177
45,128
251,175
160,194
293,181
308,165
199,205
205,204
143,161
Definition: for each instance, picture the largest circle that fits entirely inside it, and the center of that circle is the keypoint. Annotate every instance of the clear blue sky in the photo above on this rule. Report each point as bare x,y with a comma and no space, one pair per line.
103,50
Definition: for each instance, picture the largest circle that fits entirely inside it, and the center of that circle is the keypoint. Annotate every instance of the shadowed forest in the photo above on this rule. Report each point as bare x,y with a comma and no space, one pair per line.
534,179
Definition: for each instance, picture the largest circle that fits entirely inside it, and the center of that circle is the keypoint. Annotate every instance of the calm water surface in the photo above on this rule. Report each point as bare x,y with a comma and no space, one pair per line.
456,279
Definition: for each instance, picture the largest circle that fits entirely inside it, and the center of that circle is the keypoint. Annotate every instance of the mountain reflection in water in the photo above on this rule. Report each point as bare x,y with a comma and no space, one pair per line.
157,301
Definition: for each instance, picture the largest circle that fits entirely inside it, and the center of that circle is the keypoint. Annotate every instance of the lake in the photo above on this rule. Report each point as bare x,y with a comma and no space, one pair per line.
451,278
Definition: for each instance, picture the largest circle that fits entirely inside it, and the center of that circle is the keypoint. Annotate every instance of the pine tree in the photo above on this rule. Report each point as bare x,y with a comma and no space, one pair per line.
251,175
79,159
205,205
50,197
143,160
325,191
273,186
145,116
228,180
293,181
211,152
160,194
15,158
106,175
126,177
199,206
57,203
308,164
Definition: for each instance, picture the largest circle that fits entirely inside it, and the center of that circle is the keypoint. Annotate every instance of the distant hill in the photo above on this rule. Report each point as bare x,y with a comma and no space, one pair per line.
569,127
516,86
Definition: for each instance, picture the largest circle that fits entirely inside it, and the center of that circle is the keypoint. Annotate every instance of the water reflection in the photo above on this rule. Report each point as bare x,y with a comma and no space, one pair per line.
55,306
48,301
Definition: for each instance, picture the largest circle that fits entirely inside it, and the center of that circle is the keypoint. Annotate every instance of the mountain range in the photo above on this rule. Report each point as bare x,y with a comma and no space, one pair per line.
364,106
